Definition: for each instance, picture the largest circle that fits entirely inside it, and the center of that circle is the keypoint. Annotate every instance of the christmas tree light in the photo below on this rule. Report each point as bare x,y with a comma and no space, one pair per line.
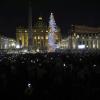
51,35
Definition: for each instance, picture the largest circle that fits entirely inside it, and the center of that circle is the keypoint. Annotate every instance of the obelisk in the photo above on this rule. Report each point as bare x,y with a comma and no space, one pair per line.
30,33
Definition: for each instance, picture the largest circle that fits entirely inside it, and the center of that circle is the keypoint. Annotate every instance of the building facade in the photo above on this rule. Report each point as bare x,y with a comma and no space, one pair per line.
39,37
7,43
84,37
64,43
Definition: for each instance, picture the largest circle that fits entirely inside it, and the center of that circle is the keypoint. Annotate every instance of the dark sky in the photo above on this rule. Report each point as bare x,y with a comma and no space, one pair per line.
66,12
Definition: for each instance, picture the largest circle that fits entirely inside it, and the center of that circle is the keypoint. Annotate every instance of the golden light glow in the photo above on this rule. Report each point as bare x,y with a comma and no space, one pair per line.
38,37
46,37
40,34
74,34
35,37
77,36
40,18
93,44
25,31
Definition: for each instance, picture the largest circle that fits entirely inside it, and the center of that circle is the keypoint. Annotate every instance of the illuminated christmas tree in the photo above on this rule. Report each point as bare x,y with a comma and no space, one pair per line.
52,34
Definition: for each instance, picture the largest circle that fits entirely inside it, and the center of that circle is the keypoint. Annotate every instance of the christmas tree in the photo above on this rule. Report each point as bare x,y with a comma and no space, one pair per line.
51,35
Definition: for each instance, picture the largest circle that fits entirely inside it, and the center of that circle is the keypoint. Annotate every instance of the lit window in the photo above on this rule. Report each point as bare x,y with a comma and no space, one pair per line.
25,31
77,36
35,37
40,18
38,37
46,30
74,34
46,37
93,44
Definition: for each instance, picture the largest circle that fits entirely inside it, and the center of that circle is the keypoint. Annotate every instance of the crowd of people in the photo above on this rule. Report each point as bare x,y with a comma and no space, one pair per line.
50,76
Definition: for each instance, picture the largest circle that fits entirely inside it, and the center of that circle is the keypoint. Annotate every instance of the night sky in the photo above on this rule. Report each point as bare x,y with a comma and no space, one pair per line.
66,12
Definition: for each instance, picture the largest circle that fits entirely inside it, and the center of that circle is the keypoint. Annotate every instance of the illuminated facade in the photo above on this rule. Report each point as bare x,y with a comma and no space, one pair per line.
22,36
64,43
7,43
84,37
40,35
